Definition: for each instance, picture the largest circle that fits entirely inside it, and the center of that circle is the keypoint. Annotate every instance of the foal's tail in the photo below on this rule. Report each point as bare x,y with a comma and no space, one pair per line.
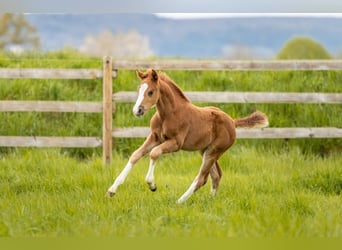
254,120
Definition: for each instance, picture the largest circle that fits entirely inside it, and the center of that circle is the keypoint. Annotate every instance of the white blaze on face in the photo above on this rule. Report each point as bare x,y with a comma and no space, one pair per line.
141,94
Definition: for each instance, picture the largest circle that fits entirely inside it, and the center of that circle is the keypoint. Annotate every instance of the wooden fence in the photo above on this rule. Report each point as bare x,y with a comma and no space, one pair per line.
105,107
109,71
242,97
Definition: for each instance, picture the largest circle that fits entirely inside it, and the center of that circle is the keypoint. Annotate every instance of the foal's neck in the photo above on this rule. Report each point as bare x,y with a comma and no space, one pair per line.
171,99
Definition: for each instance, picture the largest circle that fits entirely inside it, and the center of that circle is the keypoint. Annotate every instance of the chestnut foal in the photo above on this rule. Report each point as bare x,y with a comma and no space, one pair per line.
178,124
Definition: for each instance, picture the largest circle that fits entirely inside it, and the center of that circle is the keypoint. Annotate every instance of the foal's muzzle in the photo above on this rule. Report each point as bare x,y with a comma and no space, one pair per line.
140,111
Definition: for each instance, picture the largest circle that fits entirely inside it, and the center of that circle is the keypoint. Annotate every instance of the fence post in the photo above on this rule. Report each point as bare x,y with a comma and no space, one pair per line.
107,110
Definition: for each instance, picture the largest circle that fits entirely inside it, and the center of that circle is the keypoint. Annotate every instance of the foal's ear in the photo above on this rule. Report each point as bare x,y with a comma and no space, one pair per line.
154,75
140,74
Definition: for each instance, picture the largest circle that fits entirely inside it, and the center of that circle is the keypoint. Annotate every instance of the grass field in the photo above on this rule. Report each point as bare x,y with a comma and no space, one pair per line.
262,194
285,188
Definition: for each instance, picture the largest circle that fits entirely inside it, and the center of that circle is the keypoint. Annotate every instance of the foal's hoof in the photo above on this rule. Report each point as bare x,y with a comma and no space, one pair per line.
110,194
153,187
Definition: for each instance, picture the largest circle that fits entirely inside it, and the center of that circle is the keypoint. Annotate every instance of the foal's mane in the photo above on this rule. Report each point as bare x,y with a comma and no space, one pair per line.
164,77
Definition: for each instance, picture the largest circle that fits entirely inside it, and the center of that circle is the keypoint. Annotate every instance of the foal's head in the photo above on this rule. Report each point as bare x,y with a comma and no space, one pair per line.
148,92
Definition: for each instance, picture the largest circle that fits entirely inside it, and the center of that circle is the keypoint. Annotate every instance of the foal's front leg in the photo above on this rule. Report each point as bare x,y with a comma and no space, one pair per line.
150,176
148,145
166,147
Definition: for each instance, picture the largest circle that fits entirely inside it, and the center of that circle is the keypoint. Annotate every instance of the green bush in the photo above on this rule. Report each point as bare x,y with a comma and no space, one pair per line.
303,48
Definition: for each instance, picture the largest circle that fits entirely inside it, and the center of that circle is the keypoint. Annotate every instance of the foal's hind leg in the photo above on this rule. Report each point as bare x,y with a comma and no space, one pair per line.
207,163
215,174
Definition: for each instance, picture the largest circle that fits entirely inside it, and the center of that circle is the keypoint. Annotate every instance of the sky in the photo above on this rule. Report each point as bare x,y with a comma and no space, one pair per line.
236,15
175,6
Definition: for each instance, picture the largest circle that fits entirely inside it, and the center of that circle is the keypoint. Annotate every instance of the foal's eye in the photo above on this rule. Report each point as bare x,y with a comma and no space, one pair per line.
150,93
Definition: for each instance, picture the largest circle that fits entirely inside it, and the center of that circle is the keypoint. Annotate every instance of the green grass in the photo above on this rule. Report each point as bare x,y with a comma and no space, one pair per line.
262,194
285,188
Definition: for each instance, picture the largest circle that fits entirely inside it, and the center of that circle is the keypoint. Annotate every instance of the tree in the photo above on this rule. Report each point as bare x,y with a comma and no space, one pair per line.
15,30
119,45
303,48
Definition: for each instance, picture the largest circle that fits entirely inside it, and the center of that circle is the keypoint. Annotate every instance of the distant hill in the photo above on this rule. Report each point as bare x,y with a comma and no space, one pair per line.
194,38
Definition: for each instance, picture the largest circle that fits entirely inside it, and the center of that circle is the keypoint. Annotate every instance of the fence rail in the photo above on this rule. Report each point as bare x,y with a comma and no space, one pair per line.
246,97
256,133
51,73
231,65
44,141
50,106
109,71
